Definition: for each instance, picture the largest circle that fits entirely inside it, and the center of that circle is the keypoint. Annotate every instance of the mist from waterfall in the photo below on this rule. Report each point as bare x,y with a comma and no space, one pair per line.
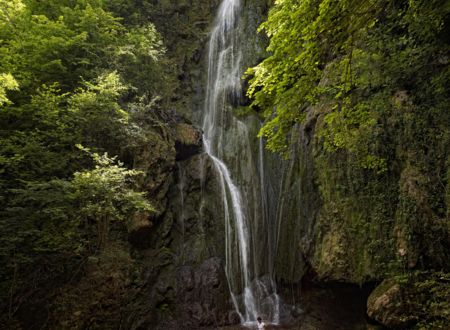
248,242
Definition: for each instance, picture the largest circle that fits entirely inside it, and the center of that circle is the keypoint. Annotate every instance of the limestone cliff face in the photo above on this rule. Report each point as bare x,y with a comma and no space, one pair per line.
345,224
336,222
184,26
185,250
182,281
179,252
353,225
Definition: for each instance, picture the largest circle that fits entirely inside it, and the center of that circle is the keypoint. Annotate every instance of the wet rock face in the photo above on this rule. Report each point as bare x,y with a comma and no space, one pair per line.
181,282
387,305
201,295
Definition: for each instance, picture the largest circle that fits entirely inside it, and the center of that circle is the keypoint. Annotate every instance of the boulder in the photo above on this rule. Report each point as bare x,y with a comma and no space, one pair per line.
389,305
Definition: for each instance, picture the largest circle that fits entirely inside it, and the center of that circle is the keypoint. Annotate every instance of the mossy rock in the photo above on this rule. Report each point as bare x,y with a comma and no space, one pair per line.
387,305
416,300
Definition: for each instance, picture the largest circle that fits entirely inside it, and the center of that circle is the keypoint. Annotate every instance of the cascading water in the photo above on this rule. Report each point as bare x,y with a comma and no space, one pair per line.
227,142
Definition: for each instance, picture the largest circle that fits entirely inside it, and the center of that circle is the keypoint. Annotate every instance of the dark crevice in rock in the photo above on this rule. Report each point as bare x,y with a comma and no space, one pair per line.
188,141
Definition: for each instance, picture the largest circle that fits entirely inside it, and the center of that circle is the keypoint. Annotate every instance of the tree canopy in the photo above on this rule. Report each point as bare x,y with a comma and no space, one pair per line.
69,74
356,61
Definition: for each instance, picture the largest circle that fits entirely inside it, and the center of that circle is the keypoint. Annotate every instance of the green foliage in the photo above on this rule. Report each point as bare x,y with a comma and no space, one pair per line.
426,293
367,83
61,42
349,58
9,10
70,72
104,193
97,113
7,82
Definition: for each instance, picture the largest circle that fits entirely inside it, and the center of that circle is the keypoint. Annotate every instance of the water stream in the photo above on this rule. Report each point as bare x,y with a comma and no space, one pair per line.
248,242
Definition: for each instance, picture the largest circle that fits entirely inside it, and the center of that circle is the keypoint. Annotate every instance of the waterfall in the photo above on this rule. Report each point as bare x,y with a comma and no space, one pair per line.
249,260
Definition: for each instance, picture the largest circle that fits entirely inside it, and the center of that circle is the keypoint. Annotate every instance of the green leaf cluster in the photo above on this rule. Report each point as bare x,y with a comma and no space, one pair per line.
348,61
104,194
71,73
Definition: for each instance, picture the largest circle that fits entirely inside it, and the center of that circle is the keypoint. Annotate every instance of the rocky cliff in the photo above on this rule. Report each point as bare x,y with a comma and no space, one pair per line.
351,225
167,270
339,226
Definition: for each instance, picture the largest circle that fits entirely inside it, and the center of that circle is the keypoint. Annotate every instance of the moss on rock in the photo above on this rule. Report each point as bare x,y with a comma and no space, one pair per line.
417,300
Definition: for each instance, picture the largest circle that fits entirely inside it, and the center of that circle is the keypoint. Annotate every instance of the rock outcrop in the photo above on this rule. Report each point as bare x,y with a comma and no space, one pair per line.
201,298
417,300
388,305
345,224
